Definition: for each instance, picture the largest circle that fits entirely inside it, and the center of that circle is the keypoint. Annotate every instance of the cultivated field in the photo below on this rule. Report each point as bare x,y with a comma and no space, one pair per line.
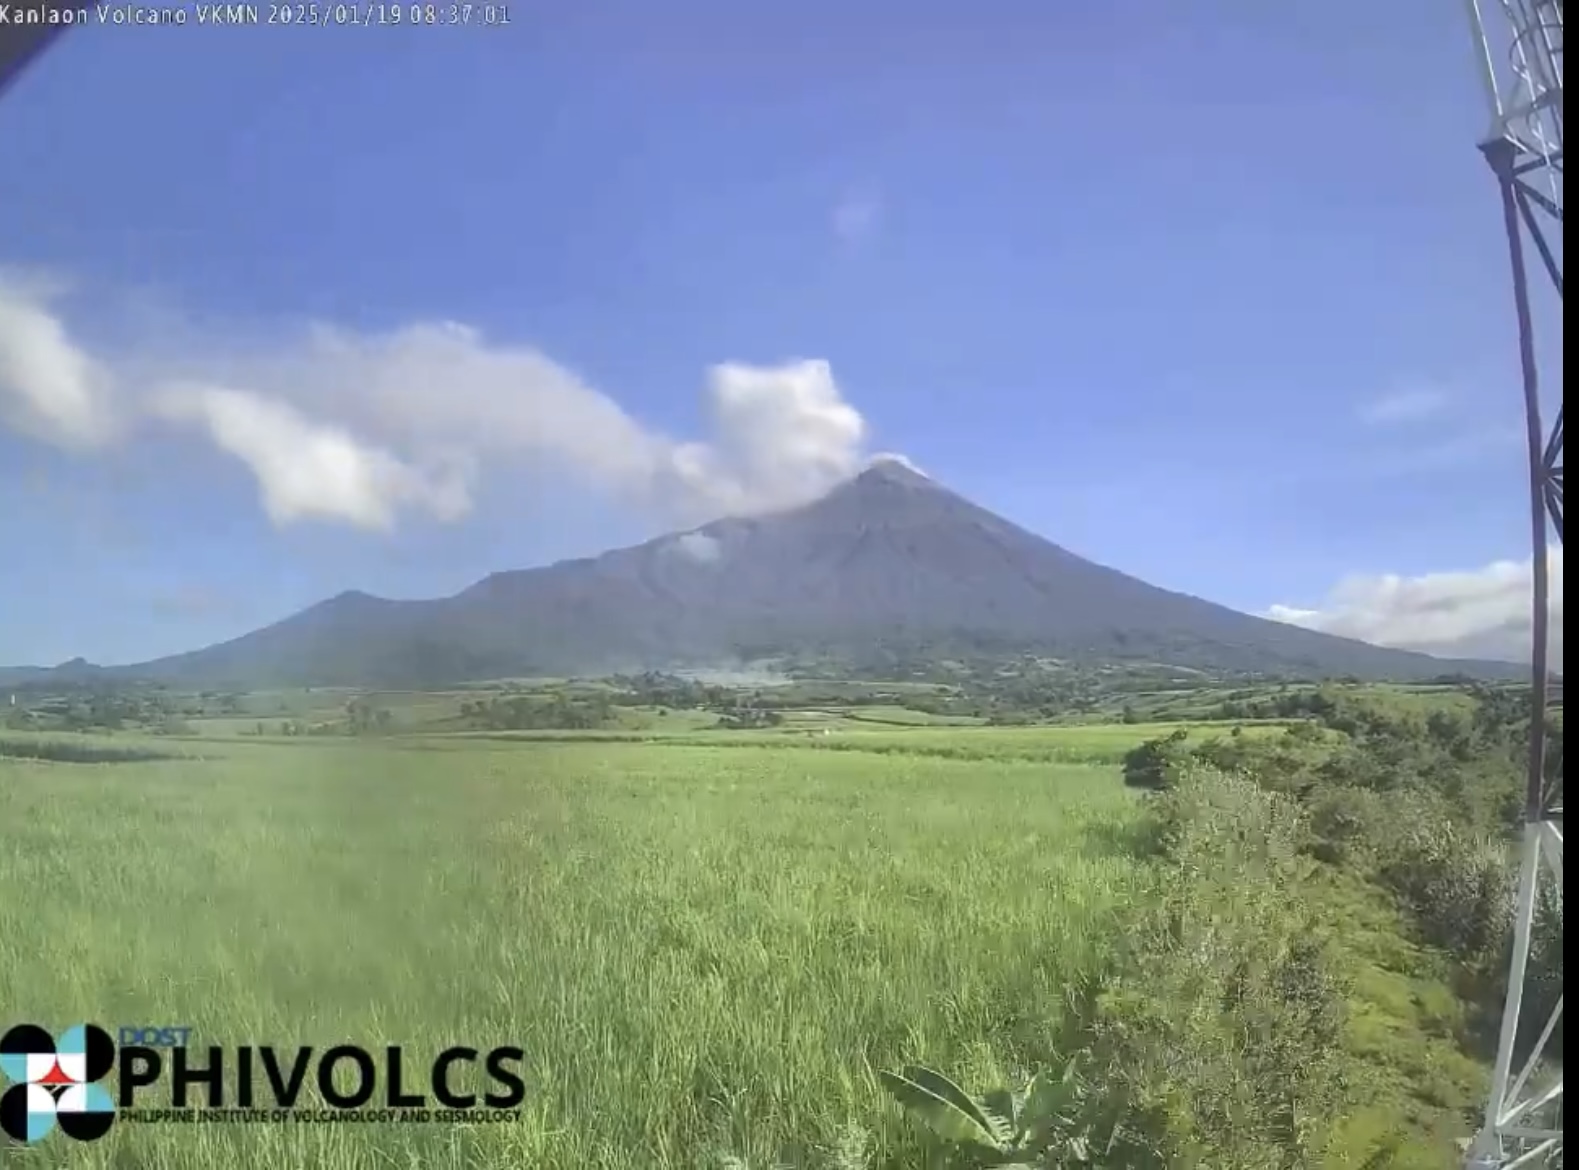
708,940
705,953
1093,744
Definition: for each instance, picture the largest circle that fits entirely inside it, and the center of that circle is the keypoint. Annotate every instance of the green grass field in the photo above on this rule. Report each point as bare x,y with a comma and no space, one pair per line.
1092,744
706,941
703,952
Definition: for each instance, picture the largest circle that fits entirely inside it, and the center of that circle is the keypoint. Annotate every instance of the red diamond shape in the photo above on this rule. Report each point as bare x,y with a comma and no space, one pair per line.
55,1076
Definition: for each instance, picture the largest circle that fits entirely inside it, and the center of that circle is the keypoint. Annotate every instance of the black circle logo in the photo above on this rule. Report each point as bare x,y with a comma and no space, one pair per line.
54,1083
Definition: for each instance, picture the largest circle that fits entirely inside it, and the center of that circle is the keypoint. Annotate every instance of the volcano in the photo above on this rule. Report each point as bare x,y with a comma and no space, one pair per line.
889,564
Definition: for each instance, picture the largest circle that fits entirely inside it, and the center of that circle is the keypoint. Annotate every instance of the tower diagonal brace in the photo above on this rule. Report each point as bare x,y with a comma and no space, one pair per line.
1522,1125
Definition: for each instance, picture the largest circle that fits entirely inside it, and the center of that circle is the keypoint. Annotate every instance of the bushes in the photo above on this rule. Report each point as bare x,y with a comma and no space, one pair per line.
1422,806
1458,887
1455,883
1544,976
1426,808
1209,822
1343,825
1151,764
1221,1029
1215,1039
1220,1032
61,751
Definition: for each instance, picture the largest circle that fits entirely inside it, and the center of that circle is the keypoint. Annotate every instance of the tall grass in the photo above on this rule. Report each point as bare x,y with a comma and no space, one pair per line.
703,953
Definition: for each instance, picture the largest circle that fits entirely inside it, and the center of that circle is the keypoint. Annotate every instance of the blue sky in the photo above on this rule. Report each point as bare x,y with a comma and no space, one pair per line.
1215,294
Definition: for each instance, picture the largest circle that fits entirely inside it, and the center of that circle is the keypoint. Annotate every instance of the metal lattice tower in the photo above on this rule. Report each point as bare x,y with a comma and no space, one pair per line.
1520,49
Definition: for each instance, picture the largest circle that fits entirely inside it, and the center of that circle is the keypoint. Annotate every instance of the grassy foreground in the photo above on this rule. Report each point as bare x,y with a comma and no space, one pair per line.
703,952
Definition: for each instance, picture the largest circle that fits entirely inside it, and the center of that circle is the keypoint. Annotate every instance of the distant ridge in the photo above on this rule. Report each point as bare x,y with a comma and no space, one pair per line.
890,563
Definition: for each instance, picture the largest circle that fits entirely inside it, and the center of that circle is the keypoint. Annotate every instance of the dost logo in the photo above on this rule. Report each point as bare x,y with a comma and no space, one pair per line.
54,1083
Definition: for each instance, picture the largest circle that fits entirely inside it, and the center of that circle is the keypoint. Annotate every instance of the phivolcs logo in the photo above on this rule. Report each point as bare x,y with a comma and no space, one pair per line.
54,1083
47,1084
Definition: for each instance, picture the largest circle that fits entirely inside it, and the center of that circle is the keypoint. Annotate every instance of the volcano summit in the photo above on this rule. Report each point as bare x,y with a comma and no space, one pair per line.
890,563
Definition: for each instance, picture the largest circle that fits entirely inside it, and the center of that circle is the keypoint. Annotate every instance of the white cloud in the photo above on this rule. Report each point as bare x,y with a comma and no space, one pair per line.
363,428
857,215
781,435
49,389
310,469
698,546
1404,406
1477,613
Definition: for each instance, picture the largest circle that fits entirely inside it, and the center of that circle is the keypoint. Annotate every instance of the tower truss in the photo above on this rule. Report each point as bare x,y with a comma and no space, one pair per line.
1519,44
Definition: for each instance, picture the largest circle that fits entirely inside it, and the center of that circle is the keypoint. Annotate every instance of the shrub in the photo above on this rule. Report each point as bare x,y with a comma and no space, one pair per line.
1458,886
80,752
1221,1032
1151,764
1348,824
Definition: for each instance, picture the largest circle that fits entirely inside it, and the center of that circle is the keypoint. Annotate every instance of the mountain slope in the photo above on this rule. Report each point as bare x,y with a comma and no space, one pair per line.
889,561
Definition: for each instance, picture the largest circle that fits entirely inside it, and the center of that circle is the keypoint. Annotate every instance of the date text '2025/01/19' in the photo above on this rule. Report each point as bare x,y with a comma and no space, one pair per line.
307,15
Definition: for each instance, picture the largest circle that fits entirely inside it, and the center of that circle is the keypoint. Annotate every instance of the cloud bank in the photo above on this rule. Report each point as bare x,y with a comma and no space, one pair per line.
1479,613
369,429
49,389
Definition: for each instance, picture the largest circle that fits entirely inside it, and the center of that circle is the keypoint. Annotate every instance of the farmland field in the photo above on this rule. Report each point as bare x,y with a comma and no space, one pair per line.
703,952
707,940
1095,743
